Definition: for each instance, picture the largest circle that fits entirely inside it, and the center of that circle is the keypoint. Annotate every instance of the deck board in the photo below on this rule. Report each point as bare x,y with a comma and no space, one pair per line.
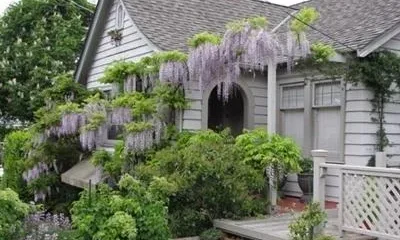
276,228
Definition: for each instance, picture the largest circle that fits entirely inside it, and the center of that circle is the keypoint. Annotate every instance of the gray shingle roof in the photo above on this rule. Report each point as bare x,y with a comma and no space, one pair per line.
169,23
354,22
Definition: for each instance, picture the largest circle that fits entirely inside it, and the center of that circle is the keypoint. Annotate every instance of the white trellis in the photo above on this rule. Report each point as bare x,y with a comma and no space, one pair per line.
369,197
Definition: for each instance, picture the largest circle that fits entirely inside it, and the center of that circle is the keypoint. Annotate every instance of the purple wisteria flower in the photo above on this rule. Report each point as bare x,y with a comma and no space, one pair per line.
174,72
45,226
120,116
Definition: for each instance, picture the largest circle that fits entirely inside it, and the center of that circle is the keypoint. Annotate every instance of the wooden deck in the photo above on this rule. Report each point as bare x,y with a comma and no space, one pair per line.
276,228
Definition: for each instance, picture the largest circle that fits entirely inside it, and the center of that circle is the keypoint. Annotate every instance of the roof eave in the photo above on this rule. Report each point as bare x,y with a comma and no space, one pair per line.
379,41
88,47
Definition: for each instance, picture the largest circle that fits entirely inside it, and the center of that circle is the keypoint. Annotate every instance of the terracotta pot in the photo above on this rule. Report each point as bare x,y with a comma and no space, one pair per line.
306,183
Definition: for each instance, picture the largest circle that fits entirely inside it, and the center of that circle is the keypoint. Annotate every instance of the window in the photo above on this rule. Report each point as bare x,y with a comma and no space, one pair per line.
327,94
292,97
119,21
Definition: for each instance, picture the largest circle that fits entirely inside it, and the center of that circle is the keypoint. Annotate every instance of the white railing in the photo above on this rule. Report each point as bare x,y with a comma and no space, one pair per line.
369,197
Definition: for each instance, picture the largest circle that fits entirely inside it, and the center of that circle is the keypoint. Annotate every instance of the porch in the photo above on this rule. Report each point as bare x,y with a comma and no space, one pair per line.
368,205
276,227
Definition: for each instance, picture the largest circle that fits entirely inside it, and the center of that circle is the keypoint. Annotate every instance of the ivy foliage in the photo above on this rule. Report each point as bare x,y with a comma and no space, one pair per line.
14,154
13,212
133,212
380,73
39,39
213,182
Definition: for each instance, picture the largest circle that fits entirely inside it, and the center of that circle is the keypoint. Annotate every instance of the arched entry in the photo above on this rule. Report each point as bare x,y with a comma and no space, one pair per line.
227,113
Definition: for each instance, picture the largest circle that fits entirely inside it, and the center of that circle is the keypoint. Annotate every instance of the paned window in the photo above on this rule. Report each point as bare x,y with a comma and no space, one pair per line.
327,94
292,97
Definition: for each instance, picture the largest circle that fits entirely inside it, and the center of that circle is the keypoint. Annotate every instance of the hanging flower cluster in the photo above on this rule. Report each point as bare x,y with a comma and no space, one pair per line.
143,135
95,128
246,43
173,67
205,62
35,173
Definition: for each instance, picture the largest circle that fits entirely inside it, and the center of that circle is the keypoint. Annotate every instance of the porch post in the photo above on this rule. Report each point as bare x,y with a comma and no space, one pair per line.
380,159
271,118
319,157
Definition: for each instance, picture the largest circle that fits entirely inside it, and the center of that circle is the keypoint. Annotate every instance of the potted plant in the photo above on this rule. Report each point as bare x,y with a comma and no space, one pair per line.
306,179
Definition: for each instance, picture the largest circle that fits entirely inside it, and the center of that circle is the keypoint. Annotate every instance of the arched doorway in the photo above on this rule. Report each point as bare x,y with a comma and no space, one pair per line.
227,113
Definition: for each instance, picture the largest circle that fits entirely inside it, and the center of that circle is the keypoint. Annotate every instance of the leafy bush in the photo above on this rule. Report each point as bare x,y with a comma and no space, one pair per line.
111,163
212,181
211,234
14,162
13,212
134,212
303,227
261,150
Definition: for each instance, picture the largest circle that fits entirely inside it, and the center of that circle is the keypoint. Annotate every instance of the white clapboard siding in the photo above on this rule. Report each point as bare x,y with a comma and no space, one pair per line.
360,130
133,47
259,88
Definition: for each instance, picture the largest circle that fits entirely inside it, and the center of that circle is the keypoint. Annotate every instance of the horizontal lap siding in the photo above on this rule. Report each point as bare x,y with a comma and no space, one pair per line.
258,86
133,47
193,114
360,130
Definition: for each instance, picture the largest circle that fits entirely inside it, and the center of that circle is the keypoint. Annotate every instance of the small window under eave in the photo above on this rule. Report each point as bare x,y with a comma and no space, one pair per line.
120,15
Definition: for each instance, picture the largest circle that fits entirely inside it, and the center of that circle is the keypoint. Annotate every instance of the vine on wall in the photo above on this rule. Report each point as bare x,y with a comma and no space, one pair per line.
379,72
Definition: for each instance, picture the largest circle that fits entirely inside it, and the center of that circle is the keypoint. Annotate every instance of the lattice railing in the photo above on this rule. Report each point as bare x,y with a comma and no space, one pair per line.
369,197
371,203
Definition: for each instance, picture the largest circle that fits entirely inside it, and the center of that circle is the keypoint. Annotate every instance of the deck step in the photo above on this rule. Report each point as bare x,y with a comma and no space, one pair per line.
276,228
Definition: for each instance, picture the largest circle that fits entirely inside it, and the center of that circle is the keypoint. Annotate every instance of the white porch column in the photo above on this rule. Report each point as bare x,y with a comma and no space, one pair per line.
319,157
271,98
273,192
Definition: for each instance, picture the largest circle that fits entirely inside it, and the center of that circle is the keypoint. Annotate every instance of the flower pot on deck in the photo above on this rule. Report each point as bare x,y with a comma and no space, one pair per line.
306,183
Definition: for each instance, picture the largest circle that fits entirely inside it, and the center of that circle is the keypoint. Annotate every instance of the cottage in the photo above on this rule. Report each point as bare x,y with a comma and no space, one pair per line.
318,113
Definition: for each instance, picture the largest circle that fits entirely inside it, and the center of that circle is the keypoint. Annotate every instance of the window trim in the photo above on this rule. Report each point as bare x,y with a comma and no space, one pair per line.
282,108
314,89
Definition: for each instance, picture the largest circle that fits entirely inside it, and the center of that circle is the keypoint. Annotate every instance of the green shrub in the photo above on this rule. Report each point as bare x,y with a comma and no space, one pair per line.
303,227
134,212
261,150
211,234
212,181
13,212
14,162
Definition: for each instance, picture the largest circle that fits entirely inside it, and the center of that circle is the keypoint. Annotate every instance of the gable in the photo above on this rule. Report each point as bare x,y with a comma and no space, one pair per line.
101,50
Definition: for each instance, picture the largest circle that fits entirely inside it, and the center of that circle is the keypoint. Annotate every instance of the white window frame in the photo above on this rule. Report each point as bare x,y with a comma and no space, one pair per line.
119,17
314,89
282,107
